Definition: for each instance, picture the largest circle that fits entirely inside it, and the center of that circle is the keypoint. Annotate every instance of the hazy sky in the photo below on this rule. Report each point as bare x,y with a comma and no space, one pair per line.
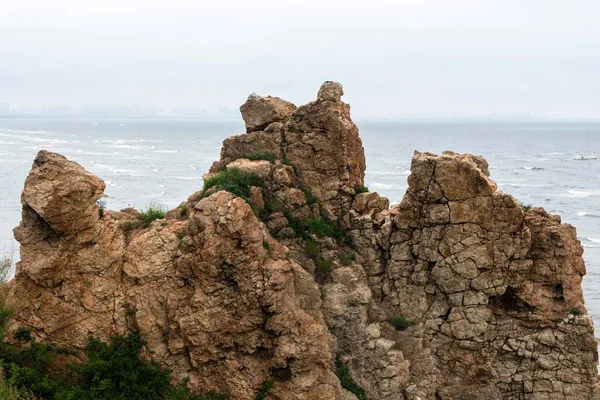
394,58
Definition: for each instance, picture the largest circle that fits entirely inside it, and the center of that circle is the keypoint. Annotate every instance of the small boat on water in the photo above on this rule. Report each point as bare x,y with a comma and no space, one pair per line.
588,155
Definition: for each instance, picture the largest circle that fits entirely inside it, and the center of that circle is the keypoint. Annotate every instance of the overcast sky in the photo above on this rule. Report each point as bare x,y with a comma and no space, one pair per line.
394,58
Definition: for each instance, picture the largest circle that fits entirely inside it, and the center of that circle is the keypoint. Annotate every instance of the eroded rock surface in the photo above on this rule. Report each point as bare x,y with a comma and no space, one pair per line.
303,273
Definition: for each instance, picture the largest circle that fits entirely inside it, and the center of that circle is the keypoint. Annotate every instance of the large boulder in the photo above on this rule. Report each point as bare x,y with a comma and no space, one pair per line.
259,112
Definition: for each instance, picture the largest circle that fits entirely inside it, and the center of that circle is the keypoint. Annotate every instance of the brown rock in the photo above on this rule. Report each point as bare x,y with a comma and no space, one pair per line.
487,289
258,112
323,144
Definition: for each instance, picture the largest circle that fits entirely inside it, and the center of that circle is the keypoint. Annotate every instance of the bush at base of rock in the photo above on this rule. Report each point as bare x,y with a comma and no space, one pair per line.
112,371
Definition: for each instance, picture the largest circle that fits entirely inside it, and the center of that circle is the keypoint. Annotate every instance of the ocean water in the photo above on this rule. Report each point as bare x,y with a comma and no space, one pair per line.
162,161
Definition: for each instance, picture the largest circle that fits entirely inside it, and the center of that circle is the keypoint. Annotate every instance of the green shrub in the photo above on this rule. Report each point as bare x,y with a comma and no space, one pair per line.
112,371
310,198
346,380
23,334
101,212
8,391
313,248
361,189
129,226
321,227
153,212
6,313
347,257
262,155
264,389
273,204
234,181
318,226
400,323
184,210
323,269
525,207
323,266
181,393
575,311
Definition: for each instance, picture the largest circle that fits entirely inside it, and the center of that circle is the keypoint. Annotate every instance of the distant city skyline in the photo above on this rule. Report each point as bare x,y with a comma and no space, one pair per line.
149,111
395,58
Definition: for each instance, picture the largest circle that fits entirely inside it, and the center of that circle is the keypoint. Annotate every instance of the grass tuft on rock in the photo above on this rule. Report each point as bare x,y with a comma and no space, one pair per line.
183,210
264,389
361,189
347,257
525,207
150,214
400,323
234,181
343,373
262,155
22,334
310,198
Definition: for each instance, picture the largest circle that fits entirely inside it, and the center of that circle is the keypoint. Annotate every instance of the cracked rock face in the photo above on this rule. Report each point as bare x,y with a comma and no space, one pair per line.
486,289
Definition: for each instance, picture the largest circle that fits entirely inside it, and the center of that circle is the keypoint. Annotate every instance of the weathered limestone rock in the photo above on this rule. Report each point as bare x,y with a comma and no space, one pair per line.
211,305
258,112
319,139
485,283
490,293
323,143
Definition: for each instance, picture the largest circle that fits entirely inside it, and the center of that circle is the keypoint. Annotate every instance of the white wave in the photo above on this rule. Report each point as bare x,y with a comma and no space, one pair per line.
583,193
533,168
126,146
155,195
37,132
384,186
42,140
184,178
594,240
165,151
582,213
384,173
94,153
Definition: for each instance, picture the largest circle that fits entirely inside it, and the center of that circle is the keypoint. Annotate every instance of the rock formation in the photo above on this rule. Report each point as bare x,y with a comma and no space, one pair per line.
456,293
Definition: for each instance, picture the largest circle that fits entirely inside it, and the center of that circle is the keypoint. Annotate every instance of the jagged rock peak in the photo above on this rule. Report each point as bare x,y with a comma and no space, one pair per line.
319,139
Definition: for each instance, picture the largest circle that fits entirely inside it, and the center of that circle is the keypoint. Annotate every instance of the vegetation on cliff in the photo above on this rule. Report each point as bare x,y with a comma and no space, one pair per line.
110,371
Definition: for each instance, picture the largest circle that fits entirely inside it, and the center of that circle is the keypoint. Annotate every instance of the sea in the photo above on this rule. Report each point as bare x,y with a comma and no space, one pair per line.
145,162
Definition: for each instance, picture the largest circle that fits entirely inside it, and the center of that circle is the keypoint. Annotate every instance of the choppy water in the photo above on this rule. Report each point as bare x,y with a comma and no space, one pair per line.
163,161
